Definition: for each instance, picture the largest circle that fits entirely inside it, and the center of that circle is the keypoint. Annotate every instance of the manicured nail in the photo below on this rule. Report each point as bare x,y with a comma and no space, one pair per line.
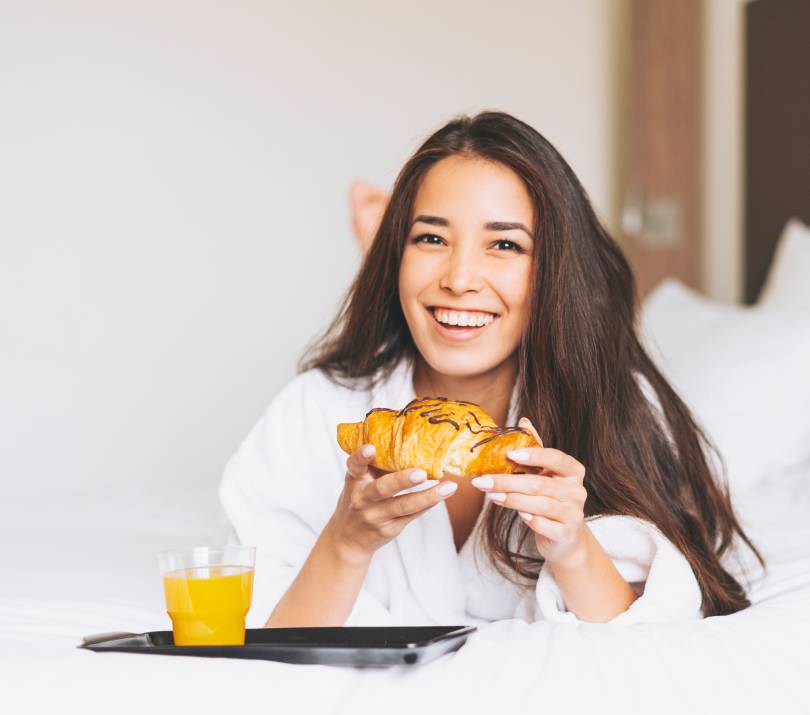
423,487
495,496
518,455
368,451
526,516
447,489
483,482
417,475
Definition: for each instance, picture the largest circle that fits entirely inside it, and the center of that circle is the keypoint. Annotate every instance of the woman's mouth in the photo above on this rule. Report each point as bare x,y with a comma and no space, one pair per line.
460,325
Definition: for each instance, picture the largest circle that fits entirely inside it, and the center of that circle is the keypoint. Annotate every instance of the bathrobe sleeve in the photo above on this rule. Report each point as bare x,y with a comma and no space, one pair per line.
282,485
652,565
648,561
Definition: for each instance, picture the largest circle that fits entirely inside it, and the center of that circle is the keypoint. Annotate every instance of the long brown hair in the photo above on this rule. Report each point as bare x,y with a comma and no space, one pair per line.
579,360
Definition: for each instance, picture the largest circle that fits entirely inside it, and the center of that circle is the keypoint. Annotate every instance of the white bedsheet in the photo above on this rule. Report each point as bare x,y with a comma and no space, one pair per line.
68,571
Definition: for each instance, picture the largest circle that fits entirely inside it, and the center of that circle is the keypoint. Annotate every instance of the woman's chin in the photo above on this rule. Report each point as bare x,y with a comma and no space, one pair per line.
460,367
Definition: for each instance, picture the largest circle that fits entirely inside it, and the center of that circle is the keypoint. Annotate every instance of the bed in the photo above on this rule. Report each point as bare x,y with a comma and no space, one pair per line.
82,566
101,576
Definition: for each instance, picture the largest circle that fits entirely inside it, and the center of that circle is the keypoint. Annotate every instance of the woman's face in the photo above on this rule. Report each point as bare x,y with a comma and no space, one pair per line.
464,281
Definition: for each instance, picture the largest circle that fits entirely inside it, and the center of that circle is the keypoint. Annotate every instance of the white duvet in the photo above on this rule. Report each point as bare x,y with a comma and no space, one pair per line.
68,572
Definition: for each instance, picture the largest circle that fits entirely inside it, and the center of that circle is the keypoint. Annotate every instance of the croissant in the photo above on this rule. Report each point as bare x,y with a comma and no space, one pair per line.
437,435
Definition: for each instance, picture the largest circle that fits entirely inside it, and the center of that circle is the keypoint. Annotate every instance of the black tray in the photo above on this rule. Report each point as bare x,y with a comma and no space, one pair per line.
396,645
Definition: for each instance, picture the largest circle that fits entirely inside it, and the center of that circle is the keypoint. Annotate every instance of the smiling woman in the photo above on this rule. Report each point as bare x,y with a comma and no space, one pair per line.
490,280
468,269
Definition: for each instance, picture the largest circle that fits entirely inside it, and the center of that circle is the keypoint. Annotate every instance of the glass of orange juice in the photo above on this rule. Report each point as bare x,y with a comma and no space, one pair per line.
208,593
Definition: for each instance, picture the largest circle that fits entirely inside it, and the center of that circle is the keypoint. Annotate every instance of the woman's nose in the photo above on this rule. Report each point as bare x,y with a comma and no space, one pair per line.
461,274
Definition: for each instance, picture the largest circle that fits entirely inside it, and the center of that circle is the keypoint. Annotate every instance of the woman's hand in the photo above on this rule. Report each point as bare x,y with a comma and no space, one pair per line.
368,515
551,500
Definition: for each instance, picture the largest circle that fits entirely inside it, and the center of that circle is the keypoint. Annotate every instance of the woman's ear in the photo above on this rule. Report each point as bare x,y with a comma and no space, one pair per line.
367,204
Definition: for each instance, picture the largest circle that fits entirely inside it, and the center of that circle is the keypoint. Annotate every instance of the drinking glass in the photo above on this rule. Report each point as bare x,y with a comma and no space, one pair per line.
208,593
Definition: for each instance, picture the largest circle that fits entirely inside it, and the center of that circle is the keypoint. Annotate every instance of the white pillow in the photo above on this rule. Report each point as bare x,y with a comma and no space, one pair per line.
744,373
788,280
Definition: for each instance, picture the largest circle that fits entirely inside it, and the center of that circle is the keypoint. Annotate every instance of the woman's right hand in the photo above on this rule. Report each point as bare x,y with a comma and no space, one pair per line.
368,515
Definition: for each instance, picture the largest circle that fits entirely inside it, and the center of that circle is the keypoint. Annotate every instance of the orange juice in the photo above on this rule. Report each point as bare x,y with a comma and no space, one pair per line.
208,604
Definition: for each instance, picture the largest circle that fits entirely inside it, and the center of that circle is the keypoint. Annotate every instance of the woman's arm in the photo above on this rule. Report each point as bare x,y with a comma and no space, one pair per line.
368,515
552,503
326,588
592,587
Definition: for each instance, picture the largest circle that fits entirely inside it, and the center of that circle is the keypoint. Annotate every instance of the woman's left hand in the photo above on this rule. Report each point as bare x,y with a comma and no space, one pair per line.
551,500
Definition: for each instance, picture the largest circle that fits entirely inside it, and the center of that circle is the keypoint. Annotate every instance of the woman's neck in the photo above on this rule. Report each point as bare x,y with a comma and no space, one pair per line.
492,390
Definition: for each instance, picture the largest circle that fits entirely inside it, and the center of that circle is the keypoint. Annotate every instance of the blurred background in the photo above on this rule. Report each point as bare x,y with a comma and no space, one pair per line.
174,216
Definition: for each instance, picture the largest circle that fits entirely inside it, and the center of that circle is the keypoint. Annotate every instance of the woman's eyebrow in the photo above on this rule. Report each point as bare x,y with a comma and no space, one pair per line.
492,225
506,226
432,220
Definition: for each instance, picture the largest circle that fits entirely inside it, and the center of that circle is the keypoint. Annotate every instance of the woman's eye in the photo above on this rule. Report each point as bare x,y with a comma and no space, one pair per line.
432,239
427,237
510,246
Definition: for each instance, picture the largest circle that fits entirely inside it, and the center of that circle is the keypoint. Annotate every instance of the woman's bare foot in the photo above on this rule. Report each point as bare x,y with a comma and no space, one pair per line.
368,205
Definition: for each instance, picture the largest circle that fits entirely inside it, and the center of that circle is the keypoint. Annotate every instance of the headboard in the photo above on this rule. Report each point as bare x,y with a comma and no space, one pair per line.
777,128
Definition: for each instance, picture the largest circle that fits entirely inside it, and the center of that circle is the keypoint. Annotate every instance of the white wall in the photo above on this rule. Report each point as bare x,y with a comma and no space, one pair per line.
173,221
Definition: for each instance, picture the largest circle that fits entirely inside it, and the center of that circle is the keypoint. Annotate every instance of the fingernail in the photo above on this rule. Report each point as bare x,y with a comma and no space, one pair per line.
424,486
526,516
519,455
483,482
495,496
417,475
368,451
447,489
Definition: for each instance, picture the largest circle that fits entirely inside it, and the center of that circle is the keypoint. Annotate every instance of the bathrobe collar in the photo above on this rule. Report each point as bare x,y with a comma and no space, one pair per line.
426,544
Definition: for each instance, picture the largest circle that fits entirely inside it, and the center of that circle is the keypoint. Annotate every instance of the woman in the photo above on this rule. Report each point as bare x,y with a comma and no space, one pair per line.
489,280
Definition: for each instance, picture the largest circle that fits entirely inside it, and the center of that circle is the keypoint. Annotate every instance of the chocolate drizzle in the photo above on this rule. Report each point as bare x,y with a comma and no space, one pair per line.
379,409
418,402
445,417
438,419
501,431
484,428
442,417
414,404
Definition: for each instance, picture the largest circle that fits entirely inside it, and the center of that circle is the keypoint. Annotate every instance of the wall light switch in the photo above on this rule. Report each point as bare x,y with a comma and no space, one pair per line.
662,223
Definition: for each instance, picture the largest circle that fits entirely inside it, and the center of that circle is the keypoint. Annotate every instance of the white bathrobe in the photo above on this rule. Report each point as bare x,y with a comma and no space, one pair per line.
282,485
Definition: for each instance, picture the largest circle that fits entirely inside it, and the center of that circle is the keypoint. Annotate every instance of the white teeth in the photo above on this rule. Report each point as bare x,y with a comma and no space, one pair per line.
463,318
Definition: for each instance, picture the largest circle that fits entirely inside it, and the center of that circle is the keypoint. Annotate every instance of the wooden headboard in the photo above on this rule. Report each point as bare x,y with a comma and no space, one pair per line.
777,128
